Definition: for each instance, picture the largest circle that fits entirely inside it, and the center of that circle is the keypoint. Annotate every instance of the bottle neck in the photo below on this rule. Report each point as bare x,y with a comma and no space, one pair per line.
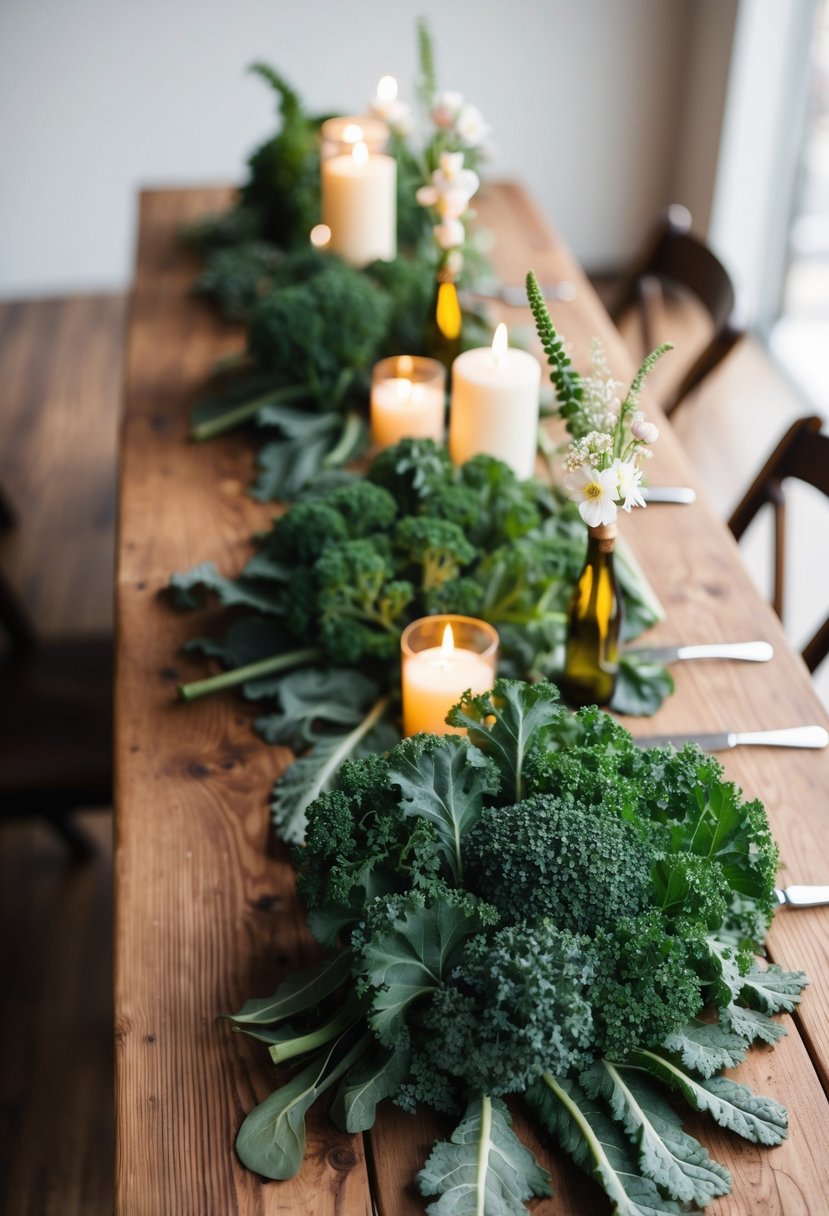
602,539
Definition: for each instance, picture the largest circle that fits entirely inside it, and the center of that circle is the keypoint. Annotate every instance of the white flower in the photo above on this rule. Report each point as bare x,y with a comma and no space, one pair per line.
446,109
452,203
585,450
646,432
471,127
451,187
449,234
628,478
427,196
595,492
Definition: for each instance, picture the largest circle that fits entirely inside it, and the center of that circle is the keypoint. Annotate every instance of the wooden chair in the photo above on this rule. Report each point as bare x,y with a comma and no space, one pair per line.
803,454
55,718
674,259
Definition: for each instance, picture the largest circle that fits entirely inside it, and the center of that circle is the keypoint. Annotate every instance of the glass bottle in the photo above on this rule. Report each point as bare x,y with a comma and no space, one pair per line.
443,336
594,619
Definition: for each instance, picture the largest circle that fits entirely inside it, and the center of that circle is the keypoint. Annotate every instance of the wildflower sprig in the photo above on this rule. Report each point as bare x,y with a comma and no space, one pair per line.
610,433
452,147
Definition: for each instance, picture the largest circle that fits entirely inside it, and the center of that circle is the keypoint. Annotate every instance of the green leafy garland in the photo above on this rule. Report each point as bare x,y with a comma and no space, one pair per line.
539,908
315,326
320,607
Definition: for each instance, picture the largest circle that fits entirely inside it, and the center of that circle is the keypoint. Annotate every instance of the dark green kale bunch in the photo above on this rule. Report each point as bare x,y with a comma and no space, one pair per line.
279,202
320,607
534,908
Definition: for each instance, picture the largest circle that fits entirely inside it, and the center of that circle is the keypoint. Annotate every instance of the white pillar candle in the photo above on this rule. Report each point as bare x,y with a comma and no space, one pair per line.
495,392
408,400
342,133
359,205
434,677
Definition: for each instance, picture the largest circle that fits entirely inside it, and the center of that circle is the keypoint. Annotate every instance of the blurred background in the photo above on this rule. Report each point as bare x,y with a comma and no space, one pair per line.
606,111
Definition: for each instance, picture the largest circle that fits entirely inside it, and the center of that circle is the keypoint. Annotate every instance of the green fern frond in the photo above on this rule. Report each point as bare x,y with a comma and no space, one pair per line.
290,106
648,364
565,378
427,84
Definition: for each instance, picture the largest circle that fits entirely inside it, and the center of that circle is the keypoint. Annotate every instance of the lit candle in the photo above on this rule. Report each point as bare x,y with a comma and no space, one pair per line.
359,192
495,405
408,400
442,658
339,134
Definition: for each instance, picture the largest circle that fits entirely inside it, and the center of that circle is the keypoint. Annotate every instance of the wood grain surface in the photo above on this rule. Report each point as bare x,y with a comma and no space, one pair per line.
60,370
205,908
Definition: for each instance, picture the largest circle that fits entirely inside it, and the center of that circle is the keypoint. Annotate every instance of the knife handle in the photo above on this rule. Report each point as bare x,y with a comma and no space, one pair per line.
681,495
805,896
795,736
750,652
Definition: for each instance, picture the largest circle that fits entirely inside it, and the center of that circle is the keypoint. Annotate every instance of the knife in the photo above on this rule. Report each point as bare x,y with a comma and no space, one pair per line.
802,897
515,296
796,736
749,652
683,495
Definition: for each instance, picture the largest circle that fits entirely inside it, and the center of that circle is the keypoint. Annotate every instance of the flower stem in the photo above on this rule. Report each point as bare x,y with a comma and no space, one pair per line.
241,413
251,671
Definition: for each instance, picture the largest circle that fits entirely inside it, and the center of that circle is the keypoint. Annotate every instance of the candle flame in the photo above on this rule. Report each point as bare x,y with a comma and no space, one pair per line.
403,388
447,646
359,153
405,366
352,133
387,89
500,343
320,236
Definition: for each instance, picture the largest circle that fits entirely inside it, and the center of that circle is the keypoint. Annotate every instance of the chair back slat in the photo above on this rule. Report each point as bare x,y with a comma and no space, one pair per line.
803,455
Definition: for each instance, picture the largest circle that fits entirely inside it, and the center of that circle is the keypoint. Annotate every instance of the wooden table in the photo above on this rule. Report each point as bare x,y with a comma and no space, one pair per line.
205,908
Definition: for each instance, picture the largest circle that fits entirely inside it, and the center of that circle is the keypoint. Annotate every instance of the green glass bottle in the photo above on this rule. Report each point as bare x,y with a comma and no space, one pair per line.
594,620
443,336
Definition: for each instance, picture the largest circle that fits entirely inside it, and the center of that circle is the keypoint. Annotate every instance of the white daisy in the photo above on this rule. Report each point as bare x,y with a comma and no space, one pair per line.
595,492
628,479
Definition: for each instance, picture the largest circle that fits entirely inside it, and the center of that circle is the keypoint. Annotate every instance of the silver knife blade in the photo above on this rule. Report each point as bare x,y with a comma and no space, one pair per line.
747,652
722,741
802,896
515,295
682,495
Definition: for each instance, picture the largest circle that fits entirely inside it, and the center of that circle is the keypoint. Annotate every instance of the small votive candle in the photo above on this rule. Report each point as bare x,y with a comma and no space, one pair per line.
443,657
495,393
408,400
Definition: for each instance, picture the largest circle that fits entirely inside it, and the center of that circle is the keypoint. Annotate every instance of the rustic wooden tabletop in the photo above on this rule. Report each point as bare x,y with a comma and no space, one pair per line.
205,908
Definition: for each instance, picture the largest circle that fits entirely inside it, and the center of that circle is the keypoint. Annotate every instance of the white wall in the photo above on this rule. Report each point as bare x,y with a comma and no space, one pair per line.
99,97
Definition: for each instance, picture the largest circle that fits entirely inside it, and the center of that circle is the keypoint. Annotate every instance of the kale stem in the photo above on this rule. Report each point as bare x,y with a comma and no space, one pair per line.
240,413
341,387
346,443
315,1038
483,1152
608,1177
346,748
229,363
251,671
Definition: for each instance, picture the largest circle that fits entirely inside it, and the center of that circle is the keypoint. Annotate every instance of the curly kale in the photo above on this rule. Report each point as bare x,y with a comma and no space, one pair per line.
322,331
540,908
517,1005
361,605
283,189
551,855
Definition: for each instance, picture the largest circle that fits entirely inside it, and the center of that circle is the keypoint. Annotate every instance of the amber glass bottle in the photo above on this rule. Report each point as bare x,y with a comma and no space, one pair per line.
443,336
594,619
